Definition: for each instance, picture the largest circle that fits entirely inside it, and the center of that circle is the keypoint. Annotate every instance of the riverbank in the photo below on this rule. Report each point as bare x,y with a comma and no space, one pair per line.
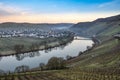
18,45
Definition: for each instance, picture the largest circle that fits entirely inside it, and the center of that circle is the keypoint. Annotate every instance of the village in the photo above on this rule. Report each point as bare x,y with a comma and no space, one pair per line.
33,33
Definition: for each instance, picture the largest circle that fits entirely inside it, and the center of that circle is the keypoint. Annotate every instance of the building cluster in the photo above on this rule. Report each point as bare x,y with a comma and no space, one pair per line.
34,33
117,36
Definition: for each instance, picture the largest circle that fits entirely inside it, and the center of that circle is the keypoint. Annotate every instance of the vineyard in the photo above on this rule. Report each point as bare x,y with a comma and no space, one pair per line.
32,76
70,74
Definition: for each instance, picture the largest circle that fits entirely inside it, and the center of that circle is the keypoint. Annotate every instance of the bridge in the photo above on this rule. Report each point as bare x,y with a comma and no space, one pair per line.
81,38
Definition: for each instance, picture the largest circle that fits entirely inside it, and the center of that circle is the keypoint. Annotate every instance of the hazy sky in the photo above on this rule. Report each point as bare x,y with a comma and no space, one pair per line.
57,11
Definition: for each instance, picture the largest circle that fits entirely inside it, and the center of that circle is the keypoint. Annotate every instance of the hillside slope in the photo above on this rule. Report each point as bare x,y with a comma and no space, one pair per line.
104,55
103,61
100,27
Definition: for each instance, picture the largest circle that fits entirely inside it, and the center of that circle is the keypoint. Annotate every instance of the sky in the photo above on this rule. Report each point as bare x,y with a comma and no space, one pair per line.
57,11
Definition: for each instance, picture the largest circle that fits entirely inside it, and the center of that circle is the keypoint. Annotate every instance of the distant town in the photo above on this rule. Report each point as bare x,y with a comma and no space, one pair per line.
34,33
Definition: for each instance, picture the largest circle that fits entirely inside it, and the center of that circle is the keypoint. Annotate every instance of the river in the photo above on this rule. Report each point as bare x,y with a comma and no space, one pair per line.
33,59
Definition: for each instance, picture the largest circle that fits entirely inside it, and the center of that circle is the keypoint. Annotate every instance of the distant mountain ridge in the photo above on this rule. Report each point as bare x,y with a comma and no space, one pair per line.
102,26
13,25
108,19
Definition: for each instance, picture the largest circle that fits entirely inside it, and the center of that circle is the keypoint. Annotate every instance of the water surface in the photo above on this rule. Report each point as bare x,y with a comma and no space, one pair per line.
33,59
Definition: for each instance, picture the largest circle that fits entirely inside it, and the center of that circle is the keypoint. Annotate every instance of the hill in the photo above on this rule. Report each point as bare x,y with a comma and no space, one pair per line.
42,26
100,27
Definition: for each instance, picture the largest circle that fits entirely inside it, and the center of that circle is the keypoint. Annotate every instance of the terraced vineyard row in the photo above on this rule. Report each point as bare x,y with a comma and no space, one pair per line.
70,74
91,74
32,76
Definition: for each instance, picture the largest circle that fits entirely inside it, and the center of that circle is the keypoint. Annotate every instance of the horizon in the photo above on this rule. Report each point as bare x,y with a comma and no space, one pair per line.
54,11
57,22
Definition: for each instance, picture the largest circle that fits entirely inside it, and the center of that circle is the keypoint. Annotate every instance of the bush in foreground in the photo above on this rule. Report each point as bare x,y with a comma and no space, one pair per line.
56,63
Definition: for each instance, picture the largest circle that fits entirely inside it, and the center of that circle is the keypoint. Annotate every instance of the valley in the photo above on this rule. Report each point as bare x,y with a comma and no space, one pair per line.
99,63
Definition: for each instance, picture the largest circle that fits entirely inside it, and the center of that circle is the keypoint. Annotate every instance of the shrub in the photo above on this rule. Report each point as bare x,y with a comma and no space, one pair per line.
56,63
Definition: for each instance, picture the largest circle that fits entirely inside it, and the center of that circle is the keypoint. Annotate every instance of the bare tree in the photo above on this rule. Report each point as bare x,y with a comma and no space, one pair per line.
42,66
18,48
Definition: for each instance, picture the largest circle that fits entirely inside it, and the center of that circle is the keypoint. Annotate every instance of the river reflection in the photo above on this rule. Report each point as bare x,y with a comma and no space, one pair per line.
33,59
22,68
20,57
0,58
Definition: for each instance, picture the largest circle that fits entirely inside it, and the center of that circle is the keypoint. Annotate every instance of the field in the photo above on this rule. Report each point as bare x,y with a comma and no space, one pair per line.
10,46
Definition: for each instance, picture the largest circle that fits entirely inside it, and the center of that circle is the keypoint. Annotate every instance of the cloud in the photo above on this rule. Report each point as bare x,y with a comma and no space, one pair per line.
113,5
12,13
7,10
4,13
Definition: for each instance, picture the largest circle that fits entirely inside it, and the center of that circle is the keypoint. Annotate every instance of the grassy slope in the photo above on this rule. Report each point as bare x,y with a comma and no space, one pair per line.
104,55
115,28
107,53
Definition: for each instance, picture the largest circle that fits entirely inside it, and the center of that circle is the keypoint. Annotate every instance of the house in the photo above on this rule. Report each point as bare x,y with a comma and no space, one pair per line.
117,36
